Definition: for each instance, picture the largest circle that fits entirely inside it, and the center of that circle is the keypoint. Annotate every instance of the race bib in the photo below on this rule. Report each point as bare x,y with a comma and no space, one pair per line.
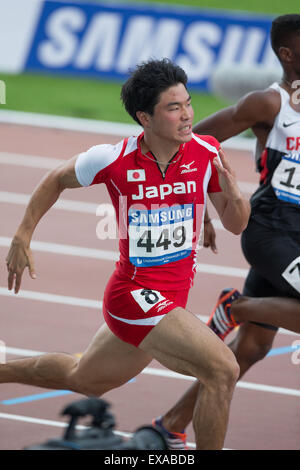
160,236
286,179
292,274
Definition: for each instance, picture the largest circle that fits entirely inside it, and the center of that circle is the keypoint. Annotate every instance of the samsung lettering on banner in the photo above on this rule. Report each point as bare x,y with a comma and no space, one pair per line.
105,40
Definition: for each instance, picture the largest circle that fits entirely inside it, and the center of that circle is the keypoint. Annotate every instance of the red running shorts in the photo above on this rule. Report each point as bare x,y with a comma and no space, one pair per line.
131,311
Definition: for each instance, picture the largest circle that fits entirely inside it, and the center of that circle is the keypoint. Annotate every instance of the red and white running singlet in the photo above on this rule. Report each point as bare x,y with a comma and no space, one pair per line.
276,202
160,216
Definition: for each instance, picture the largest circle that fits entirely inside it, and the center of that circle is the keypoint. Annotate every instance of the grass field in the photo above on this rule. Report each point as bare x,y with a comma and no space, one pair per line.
92,99
97,99
273,7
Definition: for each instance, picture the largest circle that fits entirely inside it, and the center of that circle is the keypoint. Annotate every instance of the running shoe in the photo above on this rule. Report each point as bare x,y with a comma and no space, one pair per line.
221,320
174,440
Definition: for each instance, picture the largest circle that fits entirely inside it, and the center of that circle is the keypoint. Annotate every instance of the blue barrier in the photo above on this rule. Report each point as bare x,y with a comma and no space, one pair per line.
105,40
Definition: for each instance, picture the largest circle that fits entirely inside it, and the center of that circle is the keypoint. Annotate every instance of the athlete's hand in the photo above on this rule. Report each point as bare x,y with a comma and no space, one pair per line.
210,237
227,178
19,257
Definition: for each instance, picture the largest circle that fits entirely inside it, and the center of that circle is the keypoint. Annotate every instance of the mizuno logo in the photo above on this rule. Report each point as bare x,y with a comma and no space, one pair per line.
288,124
187,168
187,165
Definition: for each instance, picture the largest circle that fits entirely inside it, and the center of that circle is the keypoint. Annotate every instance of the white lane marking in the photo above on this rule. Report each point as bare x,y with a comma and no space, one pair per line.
157,372
31,161
67,123
81,302
48,163
52,298
60,424
83,207
8,197
62,204
97,126
69,250
240,384
93,253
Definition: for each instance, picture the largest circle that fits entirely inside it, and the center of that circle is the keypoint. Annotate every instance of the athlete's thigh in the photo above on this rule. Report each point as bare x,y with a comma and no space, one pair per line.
184,344
110,360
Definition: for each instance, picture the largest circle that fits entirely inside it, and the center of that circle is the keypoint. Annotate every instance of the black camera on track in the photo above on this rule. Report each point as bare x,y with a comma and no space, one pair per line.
99,434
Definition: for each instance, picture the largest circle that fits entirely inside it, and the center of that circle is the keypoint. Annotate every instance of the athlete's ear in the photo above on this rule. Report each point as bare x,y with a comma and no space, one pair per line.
285,54
143,117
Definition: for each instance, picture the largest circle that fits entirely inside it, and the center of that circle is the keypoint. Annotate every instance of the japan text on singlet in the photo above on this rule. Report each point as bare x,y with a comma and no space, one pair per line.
160,216
276,203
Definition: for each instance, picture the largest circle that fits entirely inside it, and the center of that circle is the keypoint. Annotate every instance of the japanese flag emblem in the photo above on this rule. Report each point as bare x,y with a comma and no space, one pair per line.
136,175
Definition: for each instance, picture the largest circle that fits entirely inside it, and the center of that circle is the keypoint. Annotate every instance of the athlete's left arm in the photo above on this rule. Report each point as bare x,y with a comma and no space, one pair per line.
232,207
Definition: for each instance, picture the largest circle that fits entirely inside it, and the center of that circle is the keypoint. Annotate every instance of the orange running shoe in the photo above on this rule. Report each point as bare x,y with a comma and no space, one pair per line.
174,440
221,320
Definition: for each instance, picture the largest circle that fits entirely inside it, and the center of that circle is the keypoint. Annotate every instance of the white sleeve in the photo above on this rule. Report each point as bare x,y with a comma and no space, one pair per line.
88,164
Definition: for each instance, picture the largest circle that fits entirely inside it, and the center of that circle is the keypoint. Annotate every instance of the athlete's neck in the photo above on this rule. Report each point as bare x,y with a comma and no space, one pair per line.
290,81
162,150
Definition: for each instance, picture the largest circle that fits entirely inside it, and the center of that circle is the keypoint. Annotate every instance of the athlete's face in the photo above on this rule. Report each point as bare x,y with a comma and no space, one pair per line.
296,54
173,115
290,56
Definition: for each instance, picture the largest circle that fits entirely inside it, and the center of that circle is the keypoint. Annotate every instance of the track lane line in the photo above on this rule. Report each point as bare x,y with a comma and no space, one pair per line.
52,298
60,424
48,163
165,373
8,197
93,253
113,128
80,302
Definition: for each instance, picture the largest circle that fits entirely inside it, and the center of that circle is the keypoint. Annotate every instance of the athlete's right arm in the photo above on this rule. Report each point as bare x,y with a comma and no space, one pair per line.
44,196
255,108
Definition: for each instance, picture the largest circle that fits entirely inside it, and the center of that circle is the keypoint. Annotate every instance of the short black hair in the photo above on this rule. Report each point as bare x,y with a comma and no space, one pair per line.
147,81
283,27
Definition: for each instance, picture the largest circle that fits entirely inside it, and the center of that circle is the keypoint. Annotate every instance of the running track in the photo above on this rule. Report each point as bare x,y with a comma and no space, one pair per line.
61,309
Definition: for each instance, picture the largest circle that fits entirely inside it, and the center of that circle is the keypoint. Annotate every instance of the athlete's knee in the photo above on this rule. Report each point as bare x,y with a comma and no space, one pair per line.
227,372
257,352
251,351
223,372
81,381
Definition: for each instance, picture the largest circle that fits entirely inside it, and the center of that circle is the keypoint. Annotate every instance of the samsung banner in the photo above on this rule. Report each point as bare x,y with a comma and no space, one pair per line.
105,40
